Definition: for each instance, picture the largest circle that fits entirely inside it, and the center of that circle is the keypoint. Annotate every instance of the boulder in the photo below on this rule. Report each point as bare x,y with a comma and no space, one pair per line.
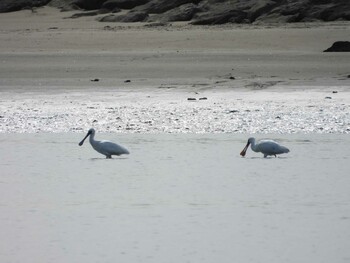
122,4
64,5
182,13
89,4
259,8
339,46
16,5
299,11
161,6
126,18
229,16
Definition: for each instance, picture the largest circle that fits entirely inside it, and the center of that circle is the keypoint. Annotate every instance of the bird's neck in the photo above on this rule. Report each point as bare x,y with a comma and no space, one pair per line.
253,146
92,138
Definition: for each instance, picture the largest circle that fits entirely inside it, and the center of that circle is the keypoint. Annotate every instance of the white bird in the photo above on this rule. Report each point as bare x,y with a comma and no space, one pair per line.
267,147
104,147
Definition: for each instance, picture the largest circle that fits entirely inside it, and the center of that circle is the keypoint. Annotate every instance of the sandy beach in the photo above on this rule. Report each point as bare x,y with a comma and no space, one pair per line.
183,99
150,70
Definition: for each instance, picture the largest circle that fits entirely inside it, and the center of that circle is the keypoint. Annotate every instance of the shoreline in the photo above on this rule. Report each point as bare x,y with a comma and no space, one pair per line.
61,75
164,110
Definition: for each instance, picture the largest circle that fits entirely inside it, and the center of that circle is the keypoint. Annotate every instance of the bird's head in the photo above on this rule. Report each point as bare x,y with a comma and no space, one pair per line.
90,132
251,140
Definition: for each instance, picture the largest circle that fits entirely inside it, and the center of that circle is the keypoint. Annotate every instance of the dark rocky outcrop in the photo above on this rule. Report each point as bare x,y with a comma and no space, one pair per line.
66,5
201,12
123,4
161,6
339,46
182,13
16,5
217,18
89,4
126,18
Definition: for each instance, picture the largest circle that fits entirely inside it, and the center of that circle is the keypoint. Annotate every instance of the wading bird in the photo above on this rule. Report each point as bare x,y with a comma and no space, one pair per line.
106,148
266,147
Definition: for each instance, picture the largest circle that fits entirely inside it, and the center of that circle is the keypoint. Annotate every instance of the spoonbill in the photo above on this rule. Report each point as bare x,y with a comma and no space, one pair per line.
106,148
267,147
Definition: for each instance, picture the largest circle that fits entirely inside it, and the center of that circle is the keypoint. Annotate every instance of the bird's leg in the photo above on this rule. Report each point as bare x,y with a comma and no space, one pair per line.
265,155
275,155
108,156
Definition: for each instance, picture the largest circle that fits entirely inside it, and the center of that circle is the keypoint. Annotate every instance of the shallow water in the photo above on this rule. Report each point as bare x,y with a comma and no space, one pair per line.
175,198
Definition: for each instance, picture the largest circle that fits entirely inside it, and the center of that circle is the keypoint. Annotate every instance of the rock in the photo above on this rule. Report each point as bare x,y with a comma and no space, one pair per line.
191,99
229,16
329,98
123,4
127,18
203,98
16,5
201,12
260,8
89,13
157,24
331,10
306,11
95,80
182,13
127,81
161,6
89,4
64,5
339,46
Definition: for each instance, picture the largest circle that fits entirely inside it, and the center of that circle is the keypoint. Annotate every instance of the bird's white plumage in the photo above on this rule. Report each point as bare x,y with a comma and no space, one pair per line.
104,147
266,147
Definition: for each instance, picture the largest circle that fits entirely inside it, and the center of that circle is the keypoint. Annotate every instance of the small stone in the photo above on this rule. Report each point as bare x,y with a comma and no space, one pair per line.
95,80
127,81
232,77
328,98
204,98
334,91
192,99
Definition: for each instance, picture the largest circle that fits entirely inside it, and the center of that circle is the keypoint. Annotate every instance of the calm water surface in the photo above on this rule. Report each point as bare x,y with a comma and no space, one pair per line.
175,198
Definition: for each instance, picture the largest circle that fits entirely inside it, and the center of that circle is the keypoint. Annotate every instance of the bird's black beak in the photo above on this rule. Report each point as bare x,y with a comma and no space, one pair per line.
243,152
82,141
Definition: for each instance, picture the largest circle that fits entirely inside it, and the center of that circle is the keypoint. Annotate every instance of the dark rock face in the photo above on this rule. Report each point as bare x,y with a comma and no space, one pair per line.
339,46
16,5
161,6
127,18
123,4
217,18
182,13
89,4
202,12
64,5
